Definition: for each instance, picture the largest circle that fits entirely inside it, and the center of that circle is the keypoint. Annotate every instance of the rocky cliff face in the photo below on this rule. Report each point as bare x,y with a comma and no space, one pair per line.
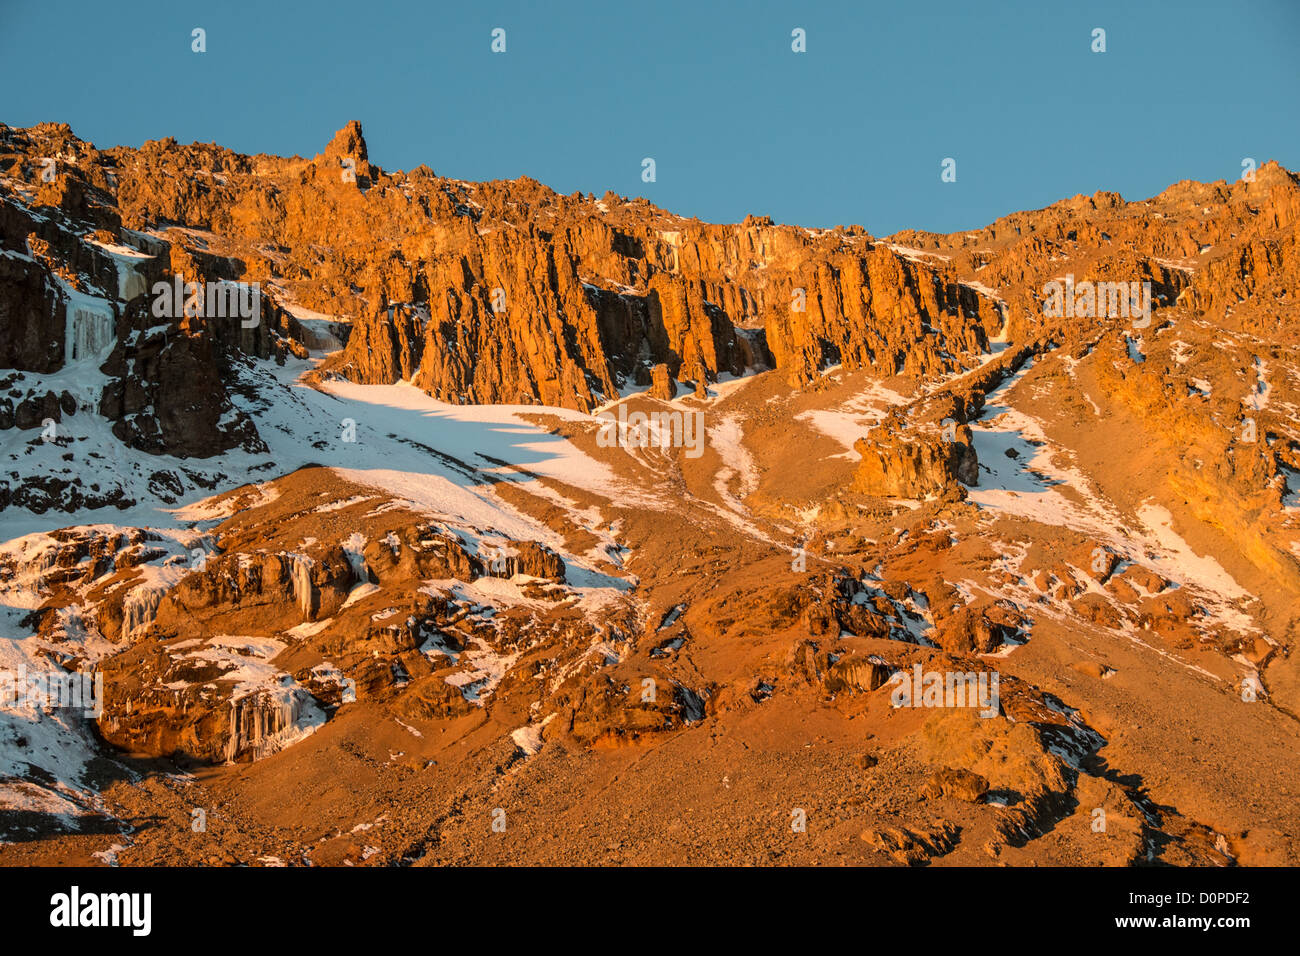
907,461
76,292
568,301
501,292
507,292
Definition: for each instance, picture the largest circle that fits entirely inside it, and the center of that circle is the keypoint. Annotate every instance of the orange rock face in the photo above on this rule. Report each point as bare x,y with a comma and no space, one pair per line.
508,292
1053,463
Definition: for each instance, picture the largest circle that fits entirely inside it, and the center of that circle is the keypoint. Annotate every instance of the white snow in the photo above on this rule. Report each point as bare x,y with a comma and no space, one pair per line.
1258,396
44,750
916,255
1135,349
529,737
728,439
1291,495
1180,561
854,418
1033,486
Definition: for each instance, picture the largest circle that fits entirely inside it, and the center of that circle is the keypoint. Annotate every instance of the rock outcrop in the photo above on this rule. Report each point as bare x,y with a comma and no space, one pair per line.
899,460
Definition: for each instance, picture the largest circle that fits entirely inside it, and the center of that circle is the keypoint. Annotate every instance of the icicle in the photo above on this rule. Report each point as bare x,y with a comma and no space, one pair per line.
139,609
302,586
232,739
88,327
353,547
265,722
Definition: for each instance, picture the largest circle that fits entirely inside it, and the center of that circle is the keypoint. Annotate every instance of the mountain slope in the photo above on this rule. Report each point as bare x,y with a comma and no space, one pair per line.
627,532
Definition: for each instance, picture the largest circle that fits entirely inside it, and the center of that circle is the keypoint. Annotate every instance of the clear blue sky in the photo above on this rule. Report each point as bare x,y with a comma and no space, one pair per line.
852,131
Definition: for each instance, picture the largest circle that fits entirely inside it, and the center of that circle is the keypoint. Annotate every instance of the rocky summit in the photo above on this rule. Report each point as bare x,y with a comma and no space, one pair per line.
353,516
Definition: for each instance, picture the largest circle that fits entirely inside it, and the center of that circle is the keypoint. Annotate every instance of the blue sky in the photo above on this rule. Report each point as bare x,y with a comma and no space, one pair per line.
852,131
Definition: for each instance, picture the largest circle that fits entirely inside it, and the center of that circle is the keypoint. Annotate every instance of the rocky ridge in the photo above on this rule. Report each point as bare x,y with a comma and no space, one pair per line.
326,572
